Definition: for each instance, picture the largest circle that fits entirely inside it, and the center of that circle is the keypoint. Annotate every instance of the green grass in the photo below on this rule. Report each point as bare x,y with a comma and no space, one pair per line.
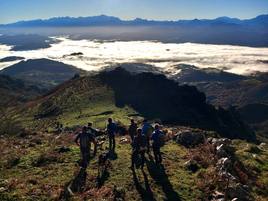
256,161
27,181
80,102
98,114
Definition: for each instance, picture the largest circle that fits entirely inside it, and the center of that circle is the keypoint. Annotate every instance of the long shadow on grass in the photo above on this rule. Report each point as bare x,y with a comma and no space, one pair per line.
158,173
145,193
102,178
112,155
77,184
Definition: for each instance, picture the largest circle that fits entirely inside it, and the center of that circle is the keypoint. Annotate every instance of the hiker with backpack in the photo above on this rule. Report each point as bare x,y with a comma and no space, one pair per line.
138,149
111,131
83,140
147,132
132,130
158,142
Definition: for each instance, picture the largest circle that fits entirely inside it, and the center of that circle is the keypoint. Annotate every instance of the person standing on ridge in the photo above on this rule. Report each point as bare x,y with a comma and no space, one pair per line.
157,138
111,131
132,130
138,148
83,140
147,131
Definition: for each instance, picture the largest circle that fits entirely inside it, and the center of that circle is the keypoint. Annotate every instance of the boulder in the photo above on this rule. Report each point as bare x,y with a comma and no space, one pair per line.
217,196
239,192
262,146
190,139
224,164
221,151
124,140
2,189
219,141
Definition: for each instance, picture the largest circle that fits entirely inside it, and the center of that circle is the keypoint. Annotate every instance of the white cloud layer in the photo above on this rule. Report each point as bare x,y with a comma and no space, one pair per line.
97,54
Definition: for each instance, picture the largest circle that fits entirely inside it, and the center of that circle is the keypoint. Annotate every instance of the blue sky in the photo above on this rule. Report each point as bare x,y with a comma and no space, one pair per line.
15,10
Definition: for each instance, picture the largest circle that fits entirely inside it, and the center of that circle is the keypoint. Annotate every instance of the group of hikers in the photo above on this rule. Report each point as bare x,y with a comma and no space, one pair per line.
141,140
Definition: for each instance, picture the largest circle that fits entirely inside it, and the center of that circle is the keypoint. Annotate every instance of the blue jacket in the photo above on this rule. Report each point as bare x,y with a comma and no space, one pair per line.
156,138
145,128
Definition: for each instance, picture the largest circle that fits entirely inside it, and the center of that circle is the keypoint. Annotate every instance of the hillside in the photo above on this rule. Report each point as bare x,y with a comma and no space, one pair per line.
41,162
14,91
121,94
248,94
44,73
41,167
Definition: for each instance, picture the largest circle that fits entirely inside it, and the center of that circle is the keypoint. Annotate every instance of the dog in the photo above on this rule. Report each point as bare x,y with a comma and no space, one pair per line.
103,163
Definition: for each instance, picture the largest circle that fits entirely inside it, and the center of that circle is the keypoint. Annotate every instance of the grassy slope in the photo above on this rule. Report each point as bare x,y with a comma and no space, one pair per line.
255,160
29,181
42,172
83,101
80,102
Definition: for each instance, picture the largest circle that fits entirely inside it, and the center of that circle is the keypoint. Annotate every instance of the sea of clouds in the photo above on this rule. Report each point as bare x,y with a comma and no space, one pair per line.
98,54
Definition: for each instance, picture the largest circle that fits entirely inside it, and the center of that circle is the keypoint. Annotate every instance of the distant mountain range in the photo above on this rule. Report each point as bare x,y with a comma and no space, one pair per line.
222,30
102,20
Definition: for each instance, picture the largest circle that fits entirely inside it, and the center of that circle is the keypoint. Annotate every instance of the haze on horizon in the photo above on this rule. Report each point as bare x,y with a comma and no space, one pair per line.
17,10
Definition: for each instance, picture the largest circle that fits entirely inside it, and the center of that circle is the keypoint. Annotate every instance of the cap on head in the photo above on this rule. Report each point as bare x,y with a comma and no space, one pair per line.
156,127
139,131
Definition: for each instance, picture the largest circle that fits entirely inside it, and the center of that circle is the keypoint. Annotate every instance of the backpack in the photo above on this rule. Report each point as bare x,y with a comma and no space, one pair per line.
160,141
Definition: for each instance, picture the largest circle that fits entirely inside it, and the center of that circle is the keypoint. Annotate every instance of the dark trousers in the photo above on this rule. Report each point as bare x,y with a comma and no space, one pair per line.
85,153
148,143
112,143
157,154
135,155
131,136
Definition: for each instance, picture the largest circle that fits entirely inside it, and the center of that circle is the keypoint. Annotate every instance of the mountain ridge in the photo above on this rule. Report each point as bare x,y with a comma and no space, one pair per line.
111,20
148,95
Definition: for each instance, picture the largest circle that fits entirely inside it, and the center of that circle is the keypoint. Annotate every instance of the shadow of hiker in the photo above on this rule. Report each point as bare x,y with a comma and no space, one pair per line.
146,194
75,185
101,180
157,172
112,155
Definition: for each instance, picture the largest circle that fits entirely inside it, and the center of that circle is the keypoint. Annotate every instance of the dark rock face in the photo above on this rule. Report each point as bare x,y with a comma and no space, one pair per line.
156,97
